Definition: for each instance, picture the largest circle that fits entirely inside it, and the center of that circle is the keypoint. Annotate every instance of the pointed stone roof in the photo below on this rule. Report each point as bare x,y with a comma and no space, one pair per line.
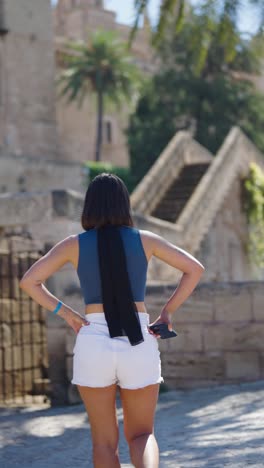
231,161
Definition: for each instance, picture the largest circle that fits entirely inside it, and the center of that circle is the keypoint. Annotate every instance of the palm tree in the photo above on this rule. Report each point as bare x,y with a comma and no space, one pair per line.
223,13
101,67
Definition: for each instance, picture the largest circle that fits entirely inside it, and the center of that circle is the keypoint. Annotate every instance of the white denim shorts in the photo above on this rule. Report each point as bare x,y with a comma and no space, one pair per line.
99,360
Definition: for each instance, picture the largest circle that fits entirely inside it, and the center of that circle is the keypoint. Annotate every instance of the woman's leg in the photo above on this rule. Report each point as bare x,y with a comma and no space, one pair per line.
100,404
139,411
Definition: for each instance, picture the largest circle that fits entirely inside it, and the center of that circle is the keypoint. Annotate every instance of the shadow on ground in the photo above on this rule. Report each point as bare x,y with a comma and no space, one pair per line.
198,428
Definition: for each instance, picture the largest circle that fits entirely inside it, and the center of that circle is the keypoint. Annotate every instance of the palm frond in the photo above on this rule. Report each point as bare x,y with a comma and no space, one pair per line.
100,65
169,9
139,7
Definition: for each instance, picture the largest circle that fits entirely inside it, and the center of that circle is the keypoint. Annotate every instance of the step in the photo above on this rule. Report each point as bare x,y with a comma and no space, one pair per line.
179,192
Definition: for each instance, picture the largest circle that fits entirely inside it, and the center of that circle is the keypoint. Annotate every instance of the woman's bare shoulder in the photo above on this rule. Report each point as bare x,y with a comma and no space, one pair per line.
149,240
70,244
151,237
169,252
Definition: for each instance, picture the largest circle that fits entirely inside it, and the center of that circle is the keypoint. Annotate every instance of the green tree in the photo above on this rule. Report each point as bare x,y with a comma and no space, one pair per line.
208,102
101,67
218,21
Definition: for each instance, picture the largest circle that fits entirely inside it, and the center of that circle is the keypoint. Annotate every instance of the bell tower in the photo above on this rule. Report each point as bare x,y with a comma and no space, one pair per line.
27,91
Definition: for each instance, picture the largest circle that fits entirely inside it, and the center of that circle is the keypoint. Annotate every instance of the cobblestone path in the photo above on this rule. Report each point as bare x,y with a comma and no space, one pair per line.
212,427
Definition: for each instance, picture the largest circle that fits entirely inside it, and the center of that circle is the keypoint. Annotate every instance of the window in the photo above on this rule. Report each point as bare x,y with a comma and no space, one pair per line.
108,131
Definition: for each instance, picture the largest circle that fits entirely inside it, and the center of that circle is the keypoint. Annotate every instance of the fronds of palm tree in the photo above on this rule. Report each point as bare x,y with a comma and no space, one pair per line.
100,67
168,9
173,13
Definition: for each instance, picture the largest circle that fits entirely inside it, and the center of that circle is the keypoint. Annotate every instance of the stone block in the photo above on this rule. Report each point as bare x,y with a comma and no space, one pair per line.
243,364
24,208
41,386
8,265
16,382
28,332
234,336
10,288
13,311
193,365
27,379
189,338
188,383
194,312
5,333
233,304
22,357
9,310
198,307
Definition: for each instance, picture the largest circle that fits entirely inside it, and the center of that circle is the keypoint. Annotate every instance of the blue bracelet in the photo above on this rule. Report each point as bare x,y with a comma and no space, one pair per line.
58,306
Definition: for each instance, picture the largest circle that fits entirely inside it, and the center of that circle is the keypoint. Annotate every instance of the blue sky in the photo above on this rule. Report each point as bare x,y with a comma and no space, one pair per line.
247,21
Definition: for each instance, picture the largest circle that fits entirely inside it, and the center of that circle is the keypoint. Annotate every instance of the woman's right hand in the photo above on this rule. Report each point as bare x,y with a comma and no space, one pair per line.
75,320
164,317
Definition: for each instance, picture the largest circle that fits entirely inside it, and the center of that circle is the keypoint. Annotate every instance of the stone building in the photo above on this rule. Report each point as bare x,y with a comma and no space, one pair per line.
29,154
27,94
75,20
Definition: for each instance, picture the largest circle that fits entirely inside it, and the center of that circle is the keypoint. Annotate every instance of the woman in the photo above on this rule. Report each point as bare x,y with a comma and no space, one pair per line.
114,344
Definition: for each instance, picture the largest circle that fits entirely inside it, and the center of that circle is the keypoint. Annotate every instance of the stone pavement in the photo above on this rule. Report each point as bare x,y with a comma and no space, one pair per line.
209,427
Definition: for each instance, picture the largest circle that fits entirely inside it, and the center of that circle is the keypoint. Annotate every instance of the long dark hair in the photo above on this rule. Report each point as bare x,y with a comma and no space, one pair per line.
106,202
106,208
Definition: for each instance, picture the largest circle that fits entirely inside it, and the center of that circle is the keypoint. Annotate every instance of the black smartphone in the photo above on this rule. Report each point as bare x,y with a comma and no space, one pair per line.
163,330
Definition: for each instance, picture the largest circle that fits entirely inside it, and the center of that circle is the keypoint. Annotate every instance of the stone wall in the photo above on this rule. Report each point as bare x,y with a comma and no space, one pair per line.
25,173
224,249
27,91
220,334
23,339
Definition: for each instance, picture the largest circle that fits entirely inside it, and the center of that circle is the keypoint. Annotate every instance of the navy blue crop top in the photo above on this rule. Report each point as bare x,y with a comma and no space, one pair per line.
88,264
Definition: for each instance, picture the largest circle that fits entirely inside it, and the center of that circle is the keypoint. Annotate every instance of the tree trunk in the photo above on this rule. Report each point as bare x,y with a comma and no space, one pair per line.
99,126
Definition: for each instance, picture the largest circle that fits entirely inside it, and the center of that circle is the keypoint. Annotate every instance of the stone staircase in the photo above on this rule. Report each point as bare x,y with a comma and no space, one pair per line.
179,192
182,192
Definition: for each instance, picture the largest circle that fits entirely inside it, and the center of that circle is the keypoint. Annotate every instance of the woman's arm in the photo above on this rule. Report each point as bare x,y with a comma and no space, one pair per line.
191,268
33,280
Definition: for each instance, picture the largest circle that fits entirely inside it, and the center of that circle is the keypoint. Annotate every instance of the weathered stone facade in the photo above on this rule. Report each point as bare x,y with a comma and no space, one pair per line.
27,174
220,334
224,248
27,92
